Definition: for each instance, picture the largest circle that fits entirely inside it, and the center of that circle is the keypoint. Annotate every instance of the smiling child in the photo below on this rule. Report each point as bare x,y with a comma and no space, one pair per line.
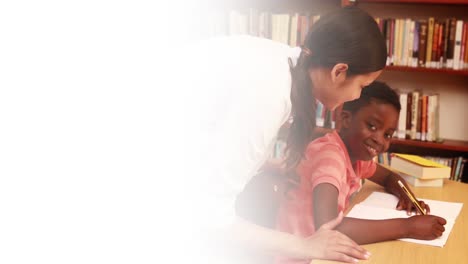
332,167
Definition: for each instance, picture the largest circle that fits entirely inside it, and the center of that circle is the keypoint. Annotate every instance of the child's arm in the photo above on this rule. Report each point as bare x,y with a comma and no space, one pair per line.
370,231
388,179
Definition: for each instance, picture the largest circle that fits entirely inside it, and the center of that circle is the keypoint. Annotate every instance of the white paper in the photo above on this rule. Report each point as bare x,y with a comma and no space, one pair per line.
379,206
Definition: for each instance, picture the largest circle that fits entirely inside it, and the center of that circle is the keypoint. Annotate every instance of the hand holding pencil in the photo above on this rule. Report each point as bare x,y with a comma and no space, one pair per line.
409,202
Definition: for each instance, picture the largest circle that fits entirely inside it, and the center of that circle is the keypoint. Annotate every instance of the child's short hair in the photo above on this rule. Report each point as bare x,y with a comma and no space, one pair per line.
377,91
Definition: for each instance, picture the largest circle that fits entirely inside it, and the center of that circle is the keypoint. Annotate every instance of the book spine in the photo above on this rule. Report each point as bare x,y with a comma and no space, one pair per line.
435,124
430,34
419,120
451,43
409,106
424,118
463,45
414,57
435,39
446,43
402,119
414,114
387,40
392,41
457,49
422,43
440,47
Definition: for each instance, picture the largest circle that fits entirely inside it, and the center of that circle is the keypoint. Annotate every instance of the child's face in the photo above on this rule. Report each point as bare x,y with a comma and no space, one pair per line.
368,132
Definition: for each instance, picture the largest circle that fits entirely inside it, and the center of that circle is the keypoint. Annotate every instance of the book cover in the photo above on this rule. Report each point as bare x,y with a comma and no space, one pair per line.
416,182
419,167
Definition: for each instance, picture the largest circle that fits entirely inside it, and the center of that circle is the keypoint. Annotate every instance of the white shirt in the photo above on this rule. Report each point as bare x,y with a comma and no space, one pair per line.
238,96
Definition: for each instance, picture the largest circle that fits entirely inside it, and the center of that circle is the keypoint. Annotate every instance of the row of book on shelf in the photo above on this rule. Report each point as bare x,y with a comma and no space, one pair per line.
290,29
419,116
427,171
433,43
429,42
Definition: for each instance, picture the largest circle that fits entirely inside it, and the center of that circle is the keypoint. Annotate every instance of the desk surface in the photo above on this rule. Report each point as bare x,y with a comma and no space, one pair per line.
454,251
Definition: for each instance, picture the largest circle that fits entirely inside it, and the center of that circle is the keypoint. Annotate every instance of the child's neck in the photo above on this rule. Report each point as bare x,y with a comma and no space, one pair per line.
352,158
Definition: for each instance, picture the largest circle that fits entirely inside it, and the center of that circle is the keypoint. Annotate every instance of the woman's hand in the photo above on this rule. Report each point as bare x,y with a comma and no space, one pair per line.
327,243
426,227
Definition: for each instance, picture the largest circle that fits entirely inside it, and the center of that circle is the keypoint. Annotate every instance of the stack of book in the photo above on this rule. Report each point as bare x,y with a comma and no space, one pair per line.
418,171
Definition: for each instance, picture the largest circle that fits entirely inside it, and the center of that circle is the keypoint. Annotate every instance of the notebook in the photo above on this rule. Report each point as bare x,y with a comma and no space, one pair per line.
380,206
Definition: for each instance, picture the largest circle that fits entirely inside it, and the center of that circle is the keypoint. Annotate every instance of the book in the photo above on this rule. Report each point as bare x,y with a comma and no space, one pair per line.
416,182
451,42
401,133
414,114
419,167
422,43
457,49
430,35
379,206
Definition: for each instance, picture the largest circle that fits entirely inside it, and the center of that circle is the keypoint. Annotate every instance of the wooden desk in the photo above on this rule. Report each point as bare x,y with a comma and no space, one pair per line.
454,251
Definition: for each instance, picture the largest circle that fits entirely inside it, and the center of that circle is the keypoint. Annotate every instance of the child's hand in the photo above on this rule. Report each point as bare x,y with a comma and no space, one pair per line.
426,227
405,204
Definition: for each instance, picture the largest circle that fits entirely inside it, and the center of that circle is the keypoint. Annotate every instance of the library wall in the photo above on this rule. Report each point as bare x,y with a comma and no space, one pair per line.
452,88
453,92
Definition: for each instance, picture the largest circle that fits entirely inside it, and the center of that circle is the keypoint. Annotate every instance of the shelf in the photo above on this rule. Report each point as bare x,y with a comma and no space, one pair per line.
451,145
441,2
424,69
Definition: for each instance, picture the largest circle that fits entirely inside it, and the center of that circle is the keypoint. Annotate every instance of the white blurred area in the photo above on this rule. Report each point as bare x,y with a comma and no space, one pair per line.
92,137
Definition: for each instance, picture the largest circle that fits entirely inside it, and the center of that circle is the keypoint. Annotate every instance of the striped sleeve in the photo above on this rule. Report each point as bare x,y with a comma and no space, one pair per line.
328,165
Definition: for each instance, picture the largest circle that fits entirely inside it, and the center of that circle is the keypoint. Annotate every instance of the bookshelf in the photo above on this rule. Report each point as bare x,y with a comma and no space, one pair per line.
450,2
450,84
446,145
427,70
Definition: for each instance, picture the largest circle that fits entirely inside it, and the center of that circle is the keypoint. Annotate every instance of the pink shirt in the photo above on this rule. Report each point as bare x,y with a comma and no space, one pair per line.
326,161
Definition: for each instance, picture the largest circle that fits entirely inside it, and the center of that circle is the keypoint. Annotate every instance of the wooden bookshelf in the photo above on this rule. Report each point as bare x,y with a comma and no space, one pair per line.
448,2
452,145
450,84
427,70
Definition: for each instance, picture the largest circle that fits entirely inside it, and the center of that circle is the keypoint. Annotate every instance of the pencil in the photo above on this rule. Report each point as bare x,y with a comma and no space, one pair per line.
412,198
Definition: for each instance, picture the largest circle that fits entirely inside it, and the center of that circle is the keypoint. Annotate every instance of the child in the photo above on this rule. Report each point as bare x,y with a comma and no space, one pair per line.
333,166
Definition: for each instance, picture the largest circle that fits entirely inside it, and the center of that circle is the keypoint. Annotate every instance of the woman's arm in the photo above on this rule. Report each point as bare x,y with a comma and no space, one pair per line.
324,244
371,231
388,179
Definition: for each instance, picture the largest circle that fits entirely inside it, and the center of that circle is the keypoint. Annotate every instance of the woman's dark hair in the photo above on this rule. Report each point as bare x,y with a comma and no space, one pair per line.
347,35
377,91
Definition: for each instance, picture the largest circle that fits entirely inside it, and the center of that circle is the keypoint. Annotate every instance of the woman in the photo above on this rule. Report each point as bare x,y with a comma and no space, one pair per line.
240,91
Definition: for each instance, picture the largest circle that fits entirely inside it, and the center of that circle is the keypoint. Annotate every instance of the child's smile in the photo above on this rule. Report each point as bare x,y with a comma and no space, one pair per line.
369,130
372,151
